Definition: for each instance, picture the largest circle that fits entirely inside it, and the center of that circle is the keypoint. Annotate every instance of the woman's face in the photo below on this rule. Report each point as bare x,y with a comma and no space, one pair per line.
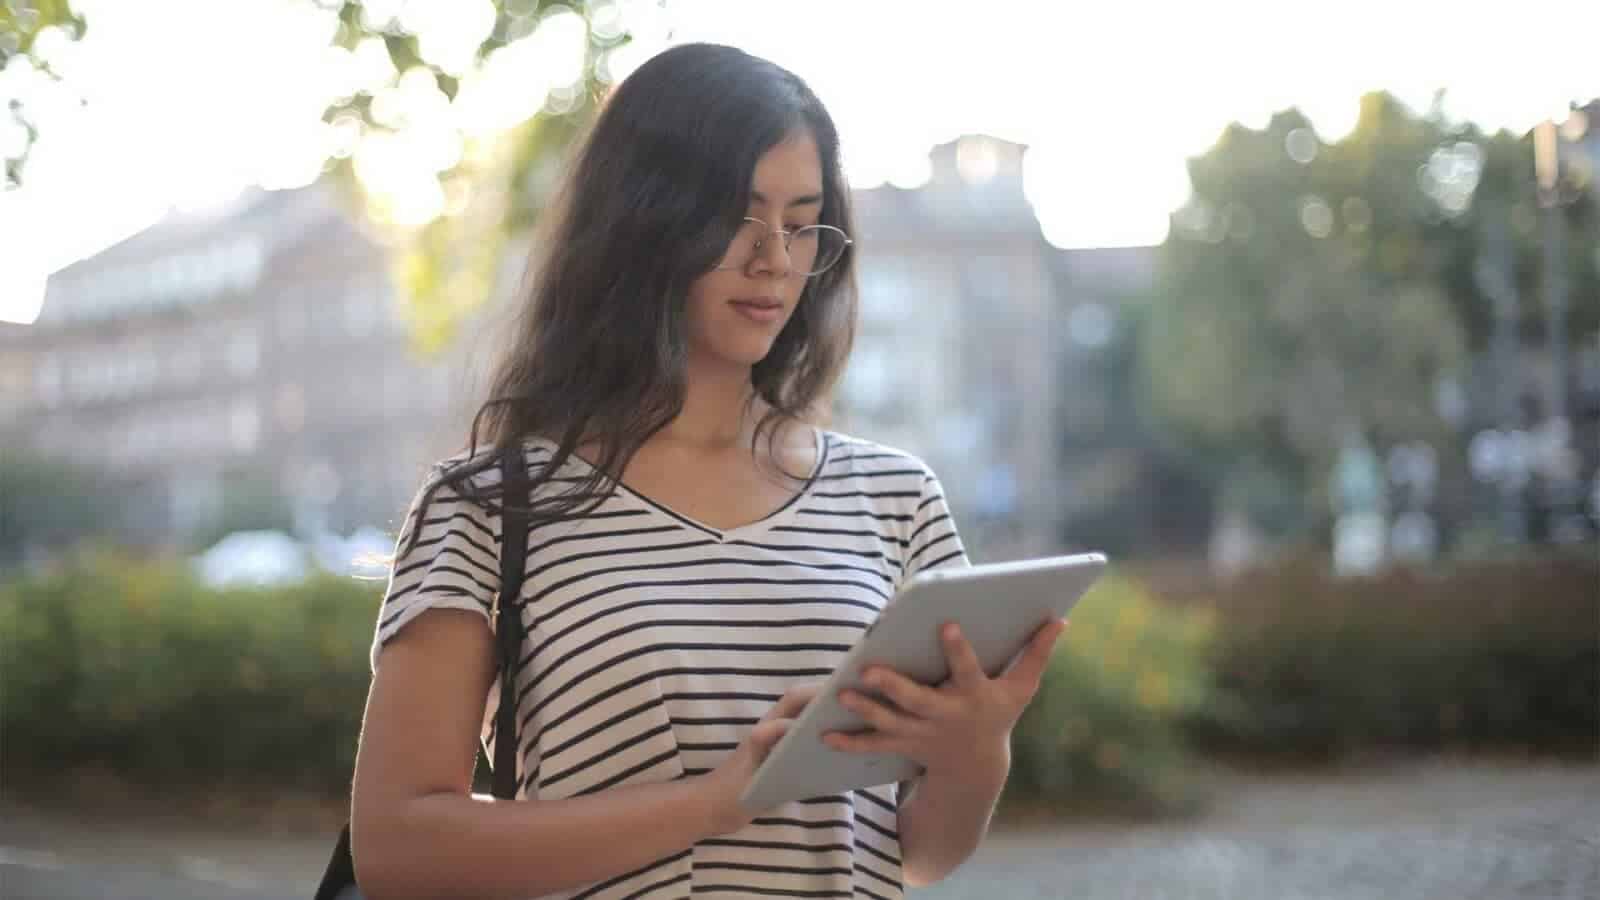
735,313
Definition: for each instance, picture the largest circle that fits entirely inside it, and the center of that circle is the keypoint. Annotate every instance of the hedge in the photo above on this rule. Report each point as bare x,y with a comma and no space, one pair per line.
137,669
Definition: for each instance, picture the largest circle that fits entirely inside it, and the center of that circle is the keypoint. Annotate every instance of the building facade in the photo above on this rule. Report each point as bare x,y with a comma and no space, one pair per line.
981,344
259,351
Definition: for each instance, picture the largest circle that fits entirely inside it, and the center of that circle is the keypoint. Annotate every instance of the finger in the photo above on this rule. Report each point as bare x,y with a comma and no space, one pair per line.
766,735
1036,657
867,742
964,666
880,716
917,699
793,701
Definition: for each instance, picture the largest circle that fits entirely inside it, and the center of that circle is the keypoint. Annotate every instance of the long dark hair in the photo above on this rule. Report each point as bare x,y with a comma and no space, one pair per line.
650,203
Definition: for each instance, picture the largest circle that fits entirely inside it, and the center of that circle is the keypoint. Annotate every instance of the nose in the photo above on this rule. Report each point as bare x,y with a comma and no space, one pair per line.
772,255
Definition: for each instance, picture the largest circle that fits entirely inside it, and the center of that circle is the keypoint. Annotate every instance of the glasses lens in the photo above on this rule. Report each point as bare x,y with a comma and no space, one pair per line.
816,248
812,250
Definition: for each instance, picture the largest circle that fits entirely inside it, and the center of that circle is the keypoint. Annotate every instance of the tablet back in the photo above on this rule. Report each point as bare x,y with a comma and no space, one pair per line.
997,605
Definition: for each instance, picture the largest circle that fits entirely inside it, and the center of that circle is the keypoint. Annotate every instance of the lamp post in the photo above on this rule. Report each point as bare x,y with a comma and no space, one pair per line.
1560,482
1491,456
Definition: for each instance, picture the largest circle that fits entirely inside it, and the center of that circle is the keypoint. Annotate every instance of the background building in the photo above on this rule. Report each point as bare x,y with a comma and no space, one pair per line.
969,320
250,356
251,363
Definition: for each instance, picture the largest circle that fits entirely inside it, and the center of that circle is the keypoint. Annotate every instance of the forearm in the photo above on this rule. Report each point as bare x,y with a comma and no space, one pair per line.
453,845
946,816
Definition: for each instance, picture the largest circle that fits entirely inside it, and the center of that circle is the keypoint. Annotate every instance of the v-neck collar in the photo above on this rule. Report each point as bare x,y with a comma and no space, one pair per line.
723,535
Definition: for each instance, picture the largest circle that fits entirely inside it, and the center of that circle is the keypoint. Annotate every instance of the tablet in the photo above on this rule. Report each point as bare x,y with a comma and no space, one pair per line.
998,606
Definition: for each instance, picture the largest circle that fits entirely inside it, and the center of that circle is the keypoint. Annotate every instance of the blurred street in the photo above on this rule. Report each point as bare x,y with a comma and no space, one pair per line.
1435,829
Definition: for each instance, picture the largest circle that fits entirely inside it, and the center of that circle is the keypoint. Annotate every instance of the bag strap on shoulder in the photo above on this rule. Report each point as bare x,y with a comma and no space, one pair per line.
508,615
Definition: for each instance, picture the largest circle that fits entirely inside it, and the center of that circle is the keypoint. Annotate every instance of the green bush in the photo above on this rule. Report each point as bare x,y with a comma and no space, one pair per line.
1483,656
1106,728
139,669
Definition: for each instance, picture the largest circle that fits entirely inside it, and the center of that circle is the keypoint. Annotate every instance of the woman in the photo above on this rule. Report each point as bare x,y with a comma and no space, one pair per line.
698,554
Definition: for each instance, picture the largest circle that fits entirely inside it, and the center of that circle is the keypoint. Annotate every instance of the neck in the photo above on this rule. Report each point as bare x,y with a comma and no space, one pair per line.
718,412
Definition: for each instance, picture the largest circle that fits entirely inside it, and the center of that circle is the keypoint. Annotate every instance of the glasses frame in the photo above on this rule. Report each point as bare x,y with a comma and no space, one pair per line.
788,240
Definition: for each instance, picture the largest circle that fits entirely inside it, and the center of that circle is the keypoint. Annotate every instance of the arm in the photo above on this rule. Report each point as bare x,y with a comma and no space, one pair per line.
417,831
945,817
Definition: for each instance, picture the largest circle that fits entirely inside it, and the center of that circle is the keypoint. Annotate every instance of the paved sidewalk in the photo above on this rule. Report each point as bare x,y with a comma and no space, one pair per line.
1429,832
1438,829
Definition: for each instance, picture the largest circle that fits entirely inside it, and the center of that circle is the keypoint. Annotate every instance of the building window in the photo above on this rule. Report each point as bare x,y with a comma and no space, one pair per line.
47,381
244,426
244,352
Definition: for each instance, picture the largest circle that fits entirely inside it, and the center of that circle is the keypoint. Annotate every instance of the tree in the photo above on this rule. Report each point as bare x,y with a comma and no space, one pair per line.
477,208
1309,289
21,25
447,171
46,505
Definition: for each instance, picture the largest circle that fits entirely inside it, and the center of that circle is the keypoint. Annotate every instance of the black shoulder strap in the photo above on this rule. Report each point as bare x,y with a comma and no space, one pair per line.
508,615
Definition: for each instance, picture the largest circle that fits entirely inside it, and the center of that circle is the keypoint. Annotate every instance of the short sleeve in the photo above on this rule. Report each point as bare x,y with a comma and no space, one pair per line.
454,563
934,542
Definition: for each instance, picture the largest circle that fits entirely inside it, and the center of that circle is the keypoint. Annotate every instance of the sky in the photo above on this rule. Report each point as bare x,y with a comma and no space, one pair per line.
1110,101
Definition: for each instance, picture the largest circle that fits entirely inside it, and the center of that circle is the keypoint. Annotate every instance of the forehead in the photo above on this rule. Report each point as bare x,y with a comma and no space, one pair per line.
791,169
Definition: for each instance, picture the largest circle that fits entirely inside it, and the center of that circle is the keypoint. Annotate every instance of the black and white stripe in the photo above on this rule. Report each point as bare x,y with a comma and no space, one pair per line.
656,642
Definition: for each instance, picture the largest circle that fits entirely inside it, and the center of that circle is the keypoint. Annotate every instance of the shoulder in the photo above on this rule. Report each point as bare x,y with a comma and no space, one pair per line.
478,471
888,476
871,457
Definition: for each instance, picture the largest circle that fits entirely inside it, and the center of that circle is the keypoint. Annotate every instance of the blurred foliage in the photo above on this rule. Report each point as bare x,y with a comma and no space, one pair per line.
494,190
251,501
1501,655
21,22
48,505
1145,493
1105,730
139,669
1309,288
450,266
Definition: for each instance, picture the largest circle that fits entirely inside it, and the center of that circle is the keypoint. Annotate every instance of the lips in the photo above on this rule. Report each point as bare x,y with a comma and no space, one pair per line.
759,309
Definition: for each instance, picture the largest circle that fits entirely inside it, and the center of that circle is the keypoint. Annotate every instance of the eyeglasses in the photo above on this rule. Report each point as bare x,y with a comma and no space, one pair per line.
812,250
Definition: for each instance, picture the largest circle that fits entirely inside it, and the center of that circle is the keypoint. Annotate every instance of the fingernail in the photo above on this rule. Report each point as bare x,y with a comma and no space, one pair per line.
951,632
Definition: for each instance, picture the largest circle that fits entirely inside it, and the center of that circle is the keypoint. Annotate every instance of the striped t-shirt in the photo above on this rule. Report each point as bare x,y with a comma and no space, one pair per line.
655,642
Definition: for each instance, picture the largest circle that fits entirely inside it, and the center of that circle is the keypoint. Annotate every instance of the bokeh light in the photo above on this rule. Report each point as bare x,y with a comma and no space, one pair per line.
1316,216
1301,145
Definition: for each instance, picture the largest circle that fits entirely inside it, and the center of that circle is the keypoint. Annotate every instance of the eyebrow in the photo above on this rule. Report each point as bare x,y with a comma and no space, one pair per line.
806,200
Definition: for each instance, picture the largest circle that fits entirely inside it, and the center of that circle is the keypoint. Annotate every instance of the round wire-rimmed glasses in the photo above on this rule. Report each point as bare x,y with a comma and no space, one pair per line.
812,250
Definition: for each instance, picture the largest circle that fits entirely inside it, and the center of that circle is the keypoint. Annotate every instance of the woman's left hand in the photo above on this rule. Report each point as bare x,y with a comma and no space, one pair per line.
963,722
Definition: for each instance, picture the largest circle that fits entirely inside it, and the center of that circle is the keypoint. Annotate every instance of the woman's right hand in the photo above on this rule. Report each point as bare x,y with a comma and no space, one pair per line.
727,781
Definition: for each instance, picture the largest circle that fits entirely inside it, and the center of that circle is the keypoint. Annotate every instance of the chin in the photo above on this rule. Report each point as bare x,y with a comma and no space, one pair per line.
732,354
743,346
747,356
